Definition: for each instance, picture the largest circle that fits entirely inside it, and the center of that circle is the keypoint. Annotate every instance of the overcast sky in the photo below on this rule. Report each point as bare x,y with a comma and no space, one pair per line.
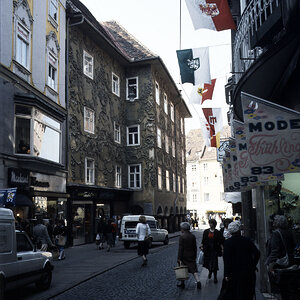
155,23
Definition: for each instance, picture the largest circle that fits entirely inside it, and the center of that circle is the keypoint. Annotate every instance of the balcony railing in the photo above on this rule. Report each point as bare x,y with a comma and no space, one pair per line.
255,15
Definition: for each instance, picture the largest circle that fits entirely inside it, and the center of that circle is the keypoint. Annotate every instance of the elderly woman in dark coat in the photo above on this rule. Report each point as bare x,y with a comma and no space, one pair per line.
187,252
212,247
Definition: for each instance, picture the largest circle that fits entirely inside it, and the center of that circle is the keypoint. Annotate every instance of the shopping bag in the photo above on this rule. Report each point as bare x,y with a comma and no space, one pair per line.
200,258
98,239
181,272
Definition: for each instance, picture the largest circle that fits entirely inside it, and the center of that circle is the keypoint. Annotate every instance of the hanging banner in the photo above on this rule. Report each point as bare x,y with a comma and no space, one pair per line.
3,193
8,197
273,137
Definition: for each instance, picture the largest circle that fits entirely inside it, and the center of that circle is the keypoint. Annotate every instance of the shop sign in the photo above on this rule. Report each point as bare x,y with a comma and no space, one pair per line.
273,137
224,145
49,183
18,177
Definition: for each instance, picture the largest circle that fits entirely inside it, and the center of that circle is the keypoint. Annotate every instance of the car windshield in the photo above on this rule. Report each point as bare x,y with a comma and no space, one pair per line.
152,224
130,224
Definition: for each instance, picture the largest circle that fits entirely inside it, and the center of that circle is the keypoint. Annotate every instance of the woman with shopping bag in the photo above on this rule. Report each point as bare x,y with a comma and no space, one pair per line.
187,253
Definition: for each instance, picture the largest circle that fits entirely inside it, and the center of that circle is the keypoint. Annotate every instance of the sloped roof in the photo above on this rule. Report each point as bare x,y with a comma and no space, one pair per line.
126,42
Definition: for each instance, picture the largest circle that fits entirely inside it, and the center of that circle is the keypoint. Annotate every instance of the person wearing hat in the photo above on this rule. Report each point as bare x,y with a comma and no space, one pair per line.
240,259
187,252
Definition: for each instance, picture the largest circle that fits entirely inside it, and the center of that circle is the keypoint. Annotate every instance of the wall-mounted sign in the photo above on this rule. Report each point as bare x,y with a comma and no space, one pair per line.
18,177
224,145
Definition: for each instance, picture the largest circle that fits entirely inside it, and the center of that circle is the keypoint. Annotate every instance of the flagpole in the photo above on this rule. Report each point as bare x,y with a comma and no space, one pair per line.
180,25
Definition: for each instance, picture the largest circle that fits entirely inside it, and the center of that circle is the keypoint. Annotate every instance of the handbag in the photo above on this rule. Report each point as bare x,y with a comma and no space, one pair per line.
200,258
181,272
98,239
283,262
60,240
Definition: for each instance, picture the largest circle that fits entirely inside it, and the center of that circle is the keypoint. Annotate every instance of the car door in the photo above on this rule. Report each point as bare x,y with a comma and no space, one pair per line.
29,262
153,228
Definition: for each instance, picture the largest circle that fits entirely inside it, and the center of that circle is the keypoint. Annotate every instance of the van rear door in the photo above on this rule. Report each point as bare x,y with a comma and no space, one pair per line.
130,229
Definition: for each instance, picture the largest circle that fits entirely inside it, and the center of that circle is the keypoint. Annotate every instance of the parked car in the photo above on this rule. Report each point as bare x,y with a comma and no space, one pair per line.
20,263
128,231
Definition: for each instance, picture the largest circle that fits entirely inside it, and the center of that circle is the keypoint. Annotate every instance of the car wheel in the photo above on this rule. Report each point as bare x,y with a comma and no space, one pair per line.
150,242
2,286
126,245
166,241
45,280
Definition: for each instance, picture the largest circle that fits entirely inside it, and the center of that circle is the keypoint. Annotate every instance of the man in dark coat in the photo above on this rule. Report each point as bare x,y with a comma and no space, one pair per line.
187,252
240,259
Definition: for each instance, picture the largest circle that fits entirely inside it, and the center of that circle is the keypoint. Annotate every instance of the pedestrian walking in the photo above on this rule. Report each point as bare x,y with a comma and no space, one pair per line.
187,252
224,231
114,232
60,233
100,231
280,250
41,236
240,259
108,233
143,232
212,248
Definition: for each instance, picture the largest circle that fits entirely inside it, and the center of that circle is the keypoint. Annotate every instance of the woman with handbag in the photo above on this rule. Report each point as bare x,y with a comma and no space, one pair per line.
212,247
60,234
143,232
280,249
187,252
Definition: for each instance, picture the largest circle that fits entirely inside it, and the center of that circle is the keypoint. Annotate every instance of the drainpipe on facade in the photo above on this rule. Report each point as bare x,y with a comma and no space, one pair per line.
69,207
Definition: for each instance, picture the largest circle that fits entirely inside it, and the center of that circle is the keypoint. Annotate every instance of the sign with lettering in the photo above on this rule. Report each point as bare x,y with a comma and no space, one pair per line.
18,177
273,137
224,145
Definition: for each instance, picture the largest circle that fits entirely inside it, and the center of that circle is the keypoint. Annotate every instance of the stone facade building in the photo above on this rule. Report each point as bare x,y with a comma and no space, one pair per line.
126,141
32,106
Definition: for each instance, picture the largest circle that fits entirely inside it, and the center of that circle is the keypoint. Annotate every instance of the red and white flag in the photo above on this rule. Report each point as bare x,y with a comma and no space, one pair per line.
202,92
212,125
210,14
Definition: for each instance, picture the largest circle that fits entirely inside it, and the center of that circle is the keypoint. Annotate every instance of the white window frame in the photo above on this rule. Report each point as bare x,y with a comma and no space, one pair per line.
52,65
23,36
205,179
205,167
115,79
159,178
167,144
89,120
179,184
55,5
183,185
167,180
194,197
174,183
172,111
118,176
117,133
158,137
181,125
137,88
194,168
88,64
182,156
157,94
135,174
206,197
173,148
91,170
134,135
165,103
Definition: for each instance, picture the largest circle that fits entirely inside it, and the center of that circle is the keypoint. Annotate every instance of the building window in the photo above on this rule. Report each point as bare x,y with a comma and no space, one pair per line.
173,148
183,186
179,184
117,133
158,138
194,168
37,134
133,135
159,178
167,143
88,65
206,197
53,9
118,177
174,183
52,71
172,111
134,176
193,184
157,93
89,120
182,156
205,166
182,125
205,180
132,88
194,197
115,84
165,103
89,171
22,46
167,180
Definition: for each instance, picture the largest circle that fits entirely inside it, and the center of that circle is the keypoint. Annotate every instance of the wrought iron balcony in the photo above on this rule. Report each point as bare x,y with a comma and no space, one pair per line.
255,24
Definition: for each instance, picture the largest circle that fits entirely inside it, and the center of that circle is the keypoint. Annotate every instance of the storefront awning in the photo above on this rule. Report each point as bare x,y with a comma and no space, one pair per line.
23,200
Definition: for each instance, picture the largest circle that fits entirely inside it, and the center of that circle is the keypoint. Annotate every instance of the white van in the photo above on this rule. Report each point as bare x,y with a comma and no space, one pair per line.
20,263
128,226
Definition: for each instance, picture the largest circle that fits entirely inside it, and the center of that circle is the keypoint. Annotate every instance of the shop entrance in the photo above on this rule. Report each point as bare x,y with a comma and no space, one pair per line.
82,222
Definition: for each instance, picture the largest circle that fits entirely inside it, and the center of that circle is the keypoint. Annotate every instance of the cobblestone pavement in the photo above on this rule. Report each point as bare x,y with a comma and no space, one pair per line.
155,281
